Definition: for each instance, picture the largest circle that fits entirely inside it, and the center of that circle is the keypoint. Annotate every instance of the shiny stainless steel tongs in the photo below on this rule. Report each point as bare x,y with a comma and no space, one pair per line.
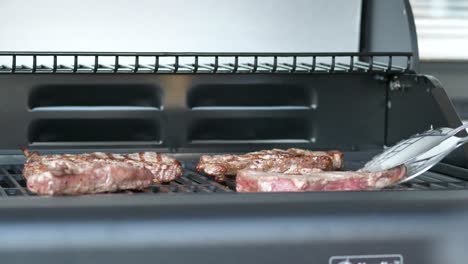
418,153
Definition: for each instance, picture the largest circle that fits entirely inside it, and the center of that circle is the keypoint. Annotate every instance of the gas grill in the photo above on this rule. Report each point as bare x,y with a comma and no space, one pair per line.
189,104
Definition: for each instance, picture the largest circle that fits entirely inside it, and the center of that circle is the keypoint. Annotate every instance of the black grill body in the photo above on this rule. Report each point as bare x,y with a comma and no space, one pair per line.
189,104
196,219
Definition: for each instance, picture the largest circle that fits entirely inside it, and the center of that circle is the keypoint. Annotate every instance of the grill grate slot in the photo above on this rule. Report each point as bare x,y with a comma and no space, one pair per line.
211,63
12,183
6,182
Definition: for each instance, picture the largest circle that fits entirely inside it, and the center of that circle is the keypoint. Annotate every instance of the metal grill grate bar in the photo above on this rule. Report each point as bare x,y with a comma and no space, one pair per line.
211,63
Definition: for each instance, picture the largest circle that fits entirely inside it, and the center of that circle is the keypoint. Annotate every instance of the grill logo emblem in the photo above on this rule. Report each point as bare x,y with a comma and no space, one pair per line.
367,259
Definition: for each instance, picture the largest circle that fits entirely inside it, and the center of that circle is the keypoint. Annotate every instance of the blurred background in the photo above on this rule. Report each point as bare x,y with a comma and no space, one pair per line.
442,27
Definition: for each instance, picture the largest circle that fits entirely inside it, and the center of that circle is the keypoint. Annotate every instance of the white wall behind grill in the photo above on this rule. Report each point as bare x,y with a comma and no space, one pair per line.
442,27
180,25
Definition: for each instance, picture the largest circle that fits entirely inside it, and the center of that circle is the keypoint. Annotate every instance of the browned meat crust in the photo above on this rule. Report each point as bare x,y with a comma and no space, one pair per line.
290,161
74,174
258,181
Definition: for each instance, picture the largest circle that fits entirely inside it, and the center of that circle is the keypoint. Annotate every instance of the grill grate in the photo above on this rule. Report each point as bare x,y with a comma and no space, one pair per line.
94,62
12,183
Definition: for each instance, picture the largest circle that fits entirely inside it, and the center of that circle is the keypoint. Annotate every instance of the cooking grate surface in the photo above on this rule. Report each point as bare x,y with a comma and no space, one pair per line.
12,183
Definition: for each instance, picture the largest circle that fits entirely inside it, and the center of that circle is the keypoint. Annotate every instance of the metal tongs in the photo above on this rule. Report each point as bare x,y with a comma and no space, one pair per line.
418,153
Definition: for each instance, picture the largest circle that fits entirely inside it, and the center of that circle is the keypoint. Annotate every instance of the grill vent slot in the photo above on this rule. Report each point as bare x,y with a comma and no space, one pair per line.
248,95
251,129
53,96
94,130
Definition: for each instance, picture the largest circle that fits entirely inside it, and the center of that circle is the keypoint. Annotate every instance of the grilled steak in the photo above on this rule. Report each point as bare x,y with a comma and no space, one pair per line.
97,172
291,161
259,181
